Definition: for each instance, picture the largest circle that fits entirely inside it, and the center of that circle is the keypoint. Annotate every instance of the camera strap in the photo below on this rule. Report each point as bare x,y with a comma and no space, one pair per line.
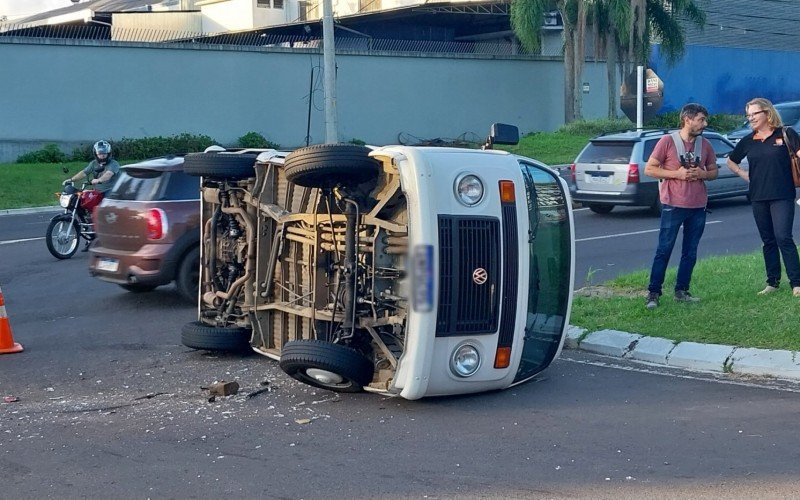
681,149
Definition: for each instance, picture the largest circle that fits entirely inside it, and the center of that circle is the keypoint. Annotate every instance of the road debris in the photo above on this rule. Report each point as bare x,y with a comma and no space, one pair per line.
10,399
223,388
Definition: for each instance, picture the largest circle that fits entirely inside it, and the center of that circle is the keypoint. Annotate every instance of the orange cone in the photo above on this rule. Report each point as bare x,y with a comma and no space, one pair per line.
7,344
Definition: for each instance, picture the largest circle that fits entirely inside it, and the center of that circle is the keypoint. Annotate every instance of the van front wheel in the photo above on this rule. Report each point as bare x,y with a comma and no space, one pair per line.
328,366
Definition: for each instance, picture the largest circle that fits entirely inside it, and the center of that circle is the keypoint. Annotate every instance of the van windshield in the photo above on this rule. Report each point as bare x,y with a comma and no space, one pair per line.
550,273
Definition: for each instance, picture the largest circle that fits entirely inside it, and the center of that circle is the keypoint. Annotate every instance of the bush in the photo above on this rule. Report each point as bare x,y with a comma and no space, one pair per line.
596,127
49,154
256,140
357,142
148,147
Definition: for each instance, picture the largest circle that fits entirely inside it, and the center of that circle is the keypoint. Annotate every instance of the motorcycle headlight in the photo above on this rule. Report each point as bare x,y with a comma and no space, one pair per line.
465,360
63,200
469,190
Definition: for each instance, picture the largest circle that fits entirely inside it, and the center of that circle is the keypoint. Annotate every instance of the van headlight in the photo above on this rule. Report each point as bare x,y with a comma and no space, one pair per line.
465,360
469,190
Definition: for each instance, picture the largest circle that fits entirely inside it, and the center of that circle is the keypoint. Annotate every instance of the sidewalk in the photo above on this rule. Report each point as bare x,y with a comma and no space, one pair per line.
689,355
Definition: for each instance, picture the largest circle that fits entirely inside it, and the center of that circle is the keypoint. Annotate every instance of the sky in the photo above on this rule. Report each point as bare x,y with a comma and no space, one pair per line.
18,9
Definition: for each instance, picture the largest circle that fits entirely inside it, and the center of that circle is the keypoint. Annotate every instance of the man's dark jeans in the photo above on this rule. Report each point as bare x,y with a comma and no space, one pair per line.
693,221
774,220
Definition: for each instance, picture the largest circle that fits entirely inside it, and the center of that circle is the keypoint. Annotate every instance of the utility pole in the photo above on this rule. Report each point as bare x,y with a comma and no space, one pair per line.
329,67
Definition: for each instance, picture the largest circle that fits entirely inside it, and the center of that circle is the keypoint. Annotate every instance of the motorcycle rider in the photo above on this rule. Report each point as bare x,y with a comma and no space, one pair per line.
103,170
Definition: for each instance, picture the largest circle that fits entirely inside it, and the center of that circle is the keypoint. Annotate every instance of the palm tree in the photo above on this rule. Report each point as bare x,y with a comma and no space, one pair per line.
624,28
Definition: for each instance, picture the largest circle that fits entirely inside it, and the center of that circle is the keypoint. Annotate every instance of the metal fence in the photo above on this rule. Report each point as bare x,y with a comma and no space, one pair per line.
508,46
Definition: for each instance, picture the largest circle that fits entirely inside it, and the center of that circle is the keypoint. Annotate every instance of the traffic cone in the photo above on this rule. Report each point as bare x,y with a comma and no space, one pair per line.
7,344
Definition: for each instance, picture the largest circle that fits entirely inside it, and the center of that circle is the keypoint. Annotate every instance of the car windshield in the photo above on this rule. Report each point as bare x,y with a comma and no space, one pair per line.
606,152
789,115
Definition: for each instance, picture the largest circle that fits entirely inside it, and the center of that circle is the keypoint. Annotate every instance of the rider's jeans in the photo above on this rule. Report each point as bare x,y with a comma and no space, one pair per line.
693,221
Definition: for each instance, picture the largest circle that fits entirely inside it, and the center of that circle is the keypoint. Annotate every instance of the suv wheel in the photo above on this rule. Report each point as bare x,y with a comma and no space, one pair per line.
328,165
220,165
198,335
188,275
328,366
600,208
656,207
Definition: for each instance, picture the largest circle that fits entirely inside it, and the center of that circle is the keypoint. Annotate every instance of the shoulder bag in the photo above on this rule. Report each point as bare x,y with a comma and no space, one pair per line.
795,161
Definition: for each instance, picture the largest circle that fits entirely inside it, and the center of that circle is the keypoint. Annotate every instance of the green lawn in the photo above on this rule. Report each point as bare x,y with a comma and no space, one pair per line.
33,185
730,312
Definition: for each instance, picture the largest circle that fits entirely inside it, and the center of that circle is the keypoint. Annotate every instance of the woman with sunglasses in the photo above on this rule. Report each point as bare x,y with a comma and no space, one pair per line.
772,190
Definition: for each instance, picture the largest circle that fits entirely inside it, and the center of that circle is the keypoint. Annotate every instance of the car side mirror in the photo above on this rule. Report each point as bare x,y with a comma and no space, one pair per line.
501,133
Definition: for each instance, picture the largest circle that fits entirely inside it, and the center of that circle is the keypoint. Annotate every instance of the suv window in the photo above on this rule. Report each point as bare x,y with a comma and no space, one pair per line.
721,148
153,185
607,152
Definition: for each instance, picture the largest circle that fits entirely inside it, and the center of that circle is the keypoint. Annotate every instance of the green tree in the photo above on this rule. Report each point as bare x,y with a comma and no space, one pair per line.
622,29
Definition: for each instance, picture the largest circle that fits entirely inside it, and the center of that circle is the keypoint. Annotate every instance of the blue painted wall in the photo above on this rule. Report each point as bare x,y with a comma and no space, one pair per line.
724,79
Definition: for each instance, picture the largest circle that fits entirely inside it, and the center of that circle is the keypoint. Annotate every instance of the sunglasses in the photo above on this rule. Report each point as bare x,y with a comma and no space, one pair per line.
754,114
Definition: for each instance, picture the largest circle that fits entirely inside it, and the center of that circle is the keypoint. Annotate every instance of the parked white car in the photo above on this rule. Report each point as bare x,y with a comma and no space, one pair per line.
414,271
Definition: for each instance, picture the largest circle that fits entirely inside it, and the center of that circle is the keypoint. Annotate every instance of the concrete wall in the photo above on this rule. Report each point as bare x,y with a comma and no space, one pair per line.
723,79
78,91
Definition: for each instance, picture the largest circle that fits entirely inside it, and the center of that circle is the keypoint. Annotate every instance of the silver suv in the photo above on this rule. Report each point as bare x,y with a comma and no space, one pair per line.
610,171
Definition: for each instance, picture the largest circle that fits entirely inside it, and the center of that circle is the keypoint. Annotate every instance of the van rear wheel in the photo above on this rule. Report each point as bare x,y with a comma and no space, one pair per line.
599,208
198,335
328,165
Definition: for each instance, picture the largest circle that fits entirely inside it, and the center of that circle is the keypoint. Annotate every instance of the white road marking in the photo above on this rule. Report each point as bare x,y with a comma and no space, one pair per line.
618,235
672,371
8,242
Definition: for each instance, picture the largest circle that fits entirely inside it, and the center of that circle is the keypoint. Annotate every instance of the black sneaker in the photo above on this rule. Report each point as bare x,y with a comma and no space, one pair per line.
685,296
652,300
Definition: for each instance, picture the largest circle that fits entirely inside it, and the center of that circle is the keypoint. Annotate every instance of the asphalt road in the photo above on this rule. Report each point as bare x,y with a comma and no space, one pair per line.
625,240
112,406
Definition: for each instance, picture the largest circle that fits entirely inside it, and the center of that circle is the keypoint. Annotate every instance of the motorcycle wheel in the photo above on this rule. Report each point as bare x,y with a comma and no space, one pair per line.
60,244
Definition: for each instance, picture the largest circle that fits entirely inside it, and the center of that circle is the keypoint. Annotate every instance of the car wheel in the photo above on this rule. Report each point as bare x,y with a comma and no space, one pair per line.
61,241
656,207
328,165
198,335
328,366
220,165
600,208
188,275
138,288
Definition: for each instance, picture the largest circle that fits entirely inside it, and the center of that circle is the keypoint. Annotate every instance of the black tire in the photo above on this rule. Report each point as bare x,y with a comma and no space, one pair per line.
137,287
188,275
57,243
656,207
353,370
198,335
220,165
600,208
329,165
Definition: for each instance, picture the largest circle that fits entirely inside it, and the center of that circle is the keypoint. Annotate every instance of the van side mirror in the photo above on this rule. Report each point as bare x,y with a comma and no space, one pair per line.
501,133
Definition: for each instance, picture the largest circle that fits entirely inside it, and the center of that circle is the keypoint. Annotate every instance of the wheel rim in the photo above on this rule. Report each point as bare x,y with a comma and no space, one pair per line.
64,237
324,376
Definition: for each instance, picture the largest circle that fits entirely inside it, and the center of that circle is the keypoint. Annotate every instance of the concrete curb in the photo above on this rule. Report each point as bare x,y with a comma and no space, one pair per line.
31,210
693,356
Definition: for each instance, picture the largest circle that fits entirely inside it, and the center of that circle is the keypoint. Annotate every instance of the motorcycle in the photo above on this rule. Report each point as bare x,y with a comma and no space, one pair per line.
65,230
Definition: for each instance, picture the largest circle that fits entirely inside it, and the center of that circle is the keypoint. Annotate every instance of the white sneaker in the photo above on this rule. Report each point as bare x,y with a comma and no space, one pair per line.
770,289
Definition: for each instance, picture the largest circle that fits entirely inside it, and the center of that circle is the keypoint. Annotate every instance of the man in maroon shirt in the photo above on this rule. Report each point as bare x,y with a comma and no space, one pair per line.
682,161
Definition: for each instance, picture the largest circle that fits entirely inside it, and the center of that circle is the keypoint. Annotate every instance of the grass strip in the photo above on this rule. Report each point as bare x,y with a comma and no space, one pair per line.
729,312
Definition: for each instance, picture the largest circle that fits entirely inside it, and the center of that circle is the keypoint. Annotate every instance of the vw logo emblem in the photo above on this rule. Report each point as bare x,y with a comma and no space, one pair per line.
479,276
111,217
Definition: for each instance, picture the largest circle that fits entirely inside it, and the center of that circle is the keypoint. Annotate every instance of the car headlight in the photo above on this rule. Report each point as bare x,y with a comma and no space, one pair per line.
63,200
465,360
469,190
